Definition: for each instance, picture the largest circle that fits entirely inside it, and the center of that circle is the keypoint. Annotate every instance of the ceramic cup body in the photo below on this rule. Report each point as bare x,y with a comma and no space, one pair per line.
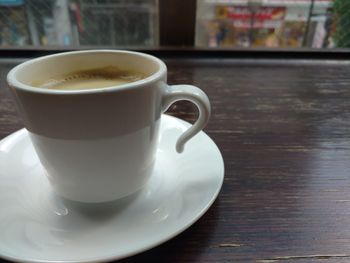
95,145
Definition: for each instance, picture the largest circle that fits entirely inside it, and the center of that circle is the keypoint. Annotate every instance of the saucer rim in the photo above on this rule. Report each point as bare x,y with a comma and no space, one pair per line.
146,247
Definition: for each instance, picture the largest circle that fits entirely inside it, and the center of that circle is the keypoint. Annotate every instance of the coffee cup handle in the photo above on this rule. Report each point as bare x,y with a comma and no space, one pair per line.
195,95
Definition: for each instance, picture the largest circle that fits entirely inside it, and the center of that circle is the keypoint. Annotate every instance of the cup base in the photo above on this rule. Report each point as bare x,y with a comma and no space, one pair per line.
96,195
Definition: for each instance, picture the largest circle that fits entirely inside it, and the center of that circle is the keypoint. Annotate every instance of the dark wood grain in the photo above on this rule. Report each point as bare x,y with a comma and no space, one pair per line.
283,128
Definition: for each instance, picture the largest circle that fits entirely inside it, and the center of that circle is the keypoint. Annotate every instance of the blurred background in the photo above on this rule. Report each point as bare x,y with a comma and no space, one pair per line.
250,24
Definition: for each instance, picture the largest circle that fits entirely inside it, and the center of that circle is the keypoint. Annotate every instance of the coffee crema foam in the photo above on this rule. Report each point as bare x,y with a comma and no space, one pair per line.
91,79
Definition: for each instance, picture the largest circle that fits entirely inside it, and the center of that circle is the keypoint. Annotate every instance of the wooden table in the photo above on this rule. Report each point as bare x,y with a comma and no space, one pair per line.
283,128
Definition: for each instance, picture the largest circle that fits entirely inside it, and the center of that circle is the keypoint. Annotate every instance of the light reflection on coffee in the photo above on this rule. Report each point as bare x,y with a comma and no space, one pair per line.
91,79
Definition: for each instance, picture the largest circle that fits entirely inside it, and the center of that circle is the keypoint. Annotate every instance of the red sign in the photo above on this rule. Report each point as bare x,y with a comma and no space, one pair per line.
258,13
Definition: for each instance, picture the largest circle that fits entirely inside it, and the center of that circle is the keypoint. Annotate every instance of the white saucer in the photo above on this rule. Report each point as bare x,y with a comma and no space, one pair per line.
37,226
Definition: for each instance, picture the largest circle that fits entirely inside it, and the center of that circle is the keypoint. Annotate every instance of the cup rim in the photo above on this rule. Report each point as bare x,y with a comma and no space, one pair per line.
14,82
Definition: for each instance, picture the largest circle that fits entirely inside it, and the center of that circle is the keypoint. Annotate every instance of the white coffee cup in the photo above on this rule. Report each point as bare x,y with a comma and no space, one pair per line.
100,144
